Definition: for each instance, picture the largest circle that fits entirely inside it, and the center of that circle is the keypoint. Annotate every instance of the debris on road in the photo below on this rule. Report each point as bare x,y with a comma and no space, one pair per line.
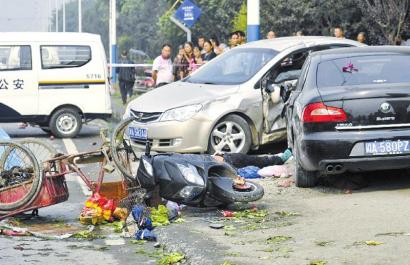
277,239
97,209
373,243
250,172
159,216
279,171
286,183
216,226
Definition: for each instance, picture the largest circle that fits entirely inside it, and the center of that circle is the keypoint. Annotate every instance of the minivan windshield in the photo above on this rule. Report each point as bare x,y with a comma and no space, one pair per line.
234,67
364,70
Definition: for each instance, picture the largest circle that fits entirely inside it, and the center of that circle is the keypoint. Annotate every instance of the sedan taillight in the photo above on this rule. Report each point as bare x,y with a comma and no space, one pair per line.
319,112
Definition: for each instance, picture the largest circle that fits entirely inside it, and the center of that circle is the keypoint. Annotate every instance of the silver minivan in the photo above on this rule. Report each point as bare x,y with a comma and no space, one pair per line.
224,106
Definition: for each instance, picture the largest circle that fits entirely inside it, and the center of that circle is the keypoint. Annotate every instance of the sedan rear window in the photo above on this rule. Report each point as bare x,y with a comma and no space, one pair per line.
364,70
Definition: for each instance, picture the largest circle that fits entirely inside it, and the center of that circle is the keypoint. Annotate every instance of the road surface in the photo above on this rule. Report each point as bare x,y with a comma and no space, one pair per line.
330,224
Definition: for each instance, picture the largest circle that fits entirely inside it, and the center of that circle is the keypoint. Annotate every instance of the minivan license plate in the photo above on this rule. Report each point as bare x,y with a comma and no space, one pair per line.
138,133
387,147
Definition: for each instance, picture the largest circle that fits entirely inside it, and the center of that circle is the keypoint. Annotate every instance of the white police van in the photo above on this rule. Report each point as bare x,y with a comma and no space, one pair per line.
57,81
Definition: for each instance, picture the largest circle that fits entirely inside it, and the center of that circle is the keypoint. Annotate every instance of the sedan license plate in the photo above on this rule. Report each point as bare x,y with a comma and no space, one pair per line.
138,133
387,147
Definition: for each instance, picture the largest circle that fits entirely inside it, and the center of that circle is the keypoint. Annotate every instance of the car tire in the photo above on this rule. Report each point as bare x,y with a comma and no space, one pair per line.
239,126
303,178
65,123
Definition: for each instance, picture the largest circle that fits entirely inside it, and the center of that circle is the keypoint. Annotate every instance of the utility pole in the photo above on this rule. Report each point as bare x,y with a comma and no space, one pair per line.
183,27
113,38
63,15
56,3
253,20
80,22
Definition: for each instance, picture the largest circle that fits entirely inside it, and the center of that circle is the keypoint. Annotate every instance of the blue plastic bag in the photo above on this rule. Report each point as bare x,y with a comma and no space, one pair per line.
139,215
145,234
250,172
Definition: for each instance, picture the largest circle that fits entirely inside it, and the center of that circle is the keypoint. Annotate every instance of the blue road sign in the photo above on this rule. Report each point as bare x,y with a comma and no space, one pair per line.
188,13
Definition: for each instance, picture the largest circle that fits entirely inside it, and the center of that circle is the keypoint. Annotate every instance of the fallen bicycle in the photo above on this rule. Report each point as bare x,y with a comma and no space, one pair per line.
33,176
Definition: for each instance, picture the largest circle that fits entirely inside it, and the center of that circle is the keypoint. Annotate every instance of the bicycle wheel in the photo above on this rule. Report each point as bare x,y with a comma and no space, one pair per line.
42,150
123,154
20,176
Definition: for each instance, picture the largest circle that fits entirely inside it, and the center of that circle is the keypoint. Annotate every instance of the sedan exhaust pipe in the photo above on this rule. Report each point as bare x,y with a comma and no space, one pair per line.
329,169
334,169
339,168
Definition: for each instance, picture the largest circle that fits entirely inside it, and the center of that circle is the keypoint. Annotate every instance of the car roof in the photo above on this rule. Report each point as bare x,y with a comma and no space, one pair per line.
357,51
283,43
48,36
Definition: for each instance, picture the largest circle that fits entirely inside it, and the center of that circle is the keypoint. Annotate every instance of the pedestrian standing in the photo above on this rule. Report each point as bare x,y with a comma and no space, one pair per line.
271,35
198,59
162,71
361,37
188,60
201,41
398,41
339,32
215,43
242,37
233,40
209,52
178,63
126,77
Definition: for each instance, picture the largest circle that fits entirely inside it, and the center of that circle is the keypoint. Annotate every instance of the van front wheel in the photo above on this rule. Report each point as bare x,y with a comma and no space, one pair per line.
65,123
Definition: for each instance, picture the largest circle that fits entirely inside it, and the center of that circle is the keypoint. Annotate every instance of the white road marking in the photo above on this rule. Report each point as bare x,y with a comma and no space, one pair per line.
72,149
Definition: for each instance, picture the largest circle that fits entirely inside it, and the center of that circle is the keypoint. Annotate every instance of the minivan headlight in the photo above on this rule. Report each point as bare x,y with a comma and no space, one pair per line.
181,114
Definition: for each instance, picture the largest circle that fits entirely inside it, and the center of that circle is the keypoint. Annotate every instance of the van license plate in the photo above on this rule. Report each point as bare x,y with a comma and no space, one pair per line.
387,147
138,133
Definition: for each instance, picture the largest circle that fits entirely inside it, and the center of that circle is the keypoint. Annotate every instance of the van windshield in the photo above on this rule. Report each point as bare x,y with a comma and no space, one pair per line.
234,67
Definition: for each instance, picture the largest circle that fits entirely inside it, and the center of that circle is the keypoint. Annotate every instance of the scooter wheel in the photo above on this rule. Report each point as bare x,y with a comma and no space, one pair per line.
222,189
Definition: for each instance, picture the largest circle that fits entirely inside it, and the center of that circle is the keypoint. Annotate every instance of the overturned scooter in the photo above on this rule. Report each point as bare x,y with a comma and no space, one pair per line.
195,180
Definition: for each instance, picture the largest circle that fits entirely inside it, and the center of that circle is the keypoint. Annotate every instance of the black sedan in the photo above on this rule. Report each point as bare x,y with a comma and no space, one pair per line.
350,111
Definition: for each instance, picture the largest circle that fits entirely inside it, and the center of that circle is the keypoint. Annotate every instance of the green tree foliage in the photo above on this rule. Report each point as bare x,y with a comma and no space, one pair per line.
145,25
391,17
313,17
240,21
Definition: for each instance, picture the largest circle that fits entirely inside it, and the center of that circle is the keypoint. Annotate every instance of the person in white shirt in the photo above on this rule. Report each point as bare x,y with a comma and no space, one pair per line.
162,67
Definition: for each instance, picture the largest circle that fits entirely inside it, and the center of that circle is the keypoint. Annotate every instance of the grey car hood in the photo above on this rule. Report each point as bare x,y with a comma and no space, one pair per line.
179,94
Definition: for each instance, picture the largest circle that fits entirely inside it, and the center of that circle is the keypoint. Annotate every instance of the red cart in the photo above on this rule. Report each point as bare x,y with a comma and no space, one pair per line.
27,184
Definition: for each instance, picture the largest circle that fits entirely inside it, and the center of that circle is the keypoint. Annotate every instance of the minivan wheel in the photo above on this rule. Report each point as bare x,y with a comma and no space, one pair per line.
230,135
65,123
303,178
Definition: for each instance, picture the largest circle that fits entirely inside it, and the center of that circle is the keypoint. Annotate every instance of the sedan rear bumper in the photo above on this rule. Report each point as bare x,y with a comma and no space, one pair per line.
337,152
